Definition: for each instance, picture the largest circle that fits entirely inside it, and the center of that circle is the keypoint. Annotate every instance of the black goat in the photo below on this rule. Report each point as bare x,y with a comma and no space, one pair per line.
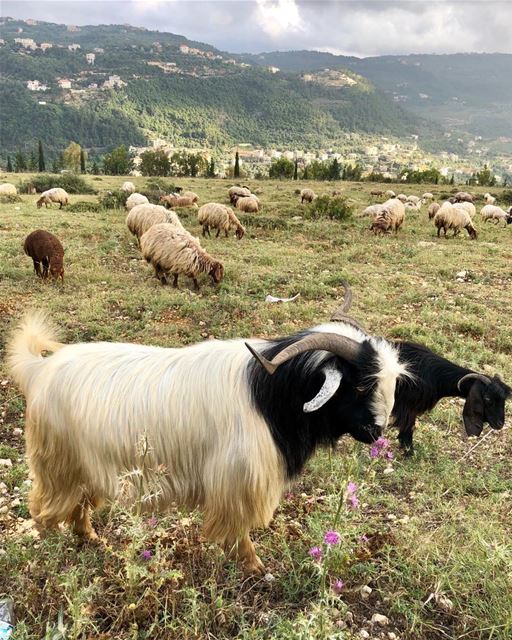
434,378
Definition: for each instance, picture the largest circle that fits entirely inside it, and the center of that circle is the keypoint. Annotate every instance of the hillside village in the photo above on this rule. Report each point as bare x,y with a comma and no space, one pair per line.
92,76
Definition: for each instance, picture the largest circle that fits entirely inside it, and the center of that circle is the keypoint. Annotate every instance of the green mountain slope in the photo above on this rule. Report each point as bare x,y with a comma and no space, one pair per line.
470,92
198,97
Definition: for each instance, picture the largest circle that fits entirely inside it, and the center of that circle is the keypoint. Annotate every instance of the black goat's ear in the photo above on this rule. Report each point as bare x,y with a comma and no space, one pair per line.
473,413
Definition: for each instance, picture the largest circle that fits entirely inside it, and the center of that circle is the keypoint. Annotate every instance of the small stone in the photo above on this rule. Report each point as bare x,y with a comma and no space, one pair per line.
202,324
388,470
269,577
3,487
5,462
17,431
4,509
392,636
349,618
391,516
364,634
378,618
365,592
16,502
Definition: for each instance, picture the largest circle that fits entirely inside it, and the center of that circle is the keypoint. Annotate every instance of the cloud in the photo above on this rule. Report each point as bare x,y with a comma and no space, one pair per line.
355,27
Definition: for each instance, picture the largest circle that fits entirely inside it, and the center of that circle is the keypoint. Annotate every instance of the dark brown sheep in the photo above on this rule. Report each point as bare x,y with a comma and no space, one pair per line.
45,248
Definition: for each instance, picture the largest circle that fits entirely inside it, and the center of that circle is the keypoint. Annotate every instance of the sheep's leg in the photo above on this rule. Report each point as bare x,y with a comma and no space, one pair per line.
60,205
196,284
226,233
204,230
218,233
37,268
175,281
46,265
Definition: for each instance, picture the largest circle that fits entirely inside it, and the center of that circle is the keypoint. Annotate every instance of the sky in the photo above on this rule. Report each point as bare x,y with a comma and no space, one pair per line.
347,27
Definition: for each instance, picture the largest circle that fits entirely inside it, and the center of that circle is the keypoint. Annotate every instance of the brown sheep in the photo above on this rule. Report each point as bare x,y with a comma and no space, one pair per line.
45,248
173,201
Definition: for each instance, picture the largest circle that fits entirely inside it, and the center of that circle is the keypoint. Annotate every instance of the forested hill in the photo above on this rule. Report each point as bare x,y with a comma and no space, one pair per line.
470,92
144,84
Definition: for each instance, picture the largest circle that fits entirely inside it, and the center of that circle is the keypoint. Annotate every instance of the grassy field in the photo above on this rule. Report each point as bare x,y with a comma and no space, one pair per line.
429,546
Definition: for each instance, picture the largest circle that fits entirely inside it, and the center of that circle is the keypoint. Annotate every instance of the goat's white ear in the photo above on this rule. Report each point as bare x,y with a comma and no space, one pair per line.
331,384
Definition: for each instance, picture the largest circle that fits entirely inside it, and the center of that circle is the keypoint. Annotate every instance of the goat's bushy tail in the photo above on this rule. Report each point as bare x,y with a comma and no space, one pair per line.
34,335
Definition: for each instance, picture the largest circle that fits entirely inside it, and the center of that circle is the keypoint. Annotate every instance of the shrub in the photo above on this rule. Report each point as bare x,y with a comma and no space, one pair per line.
506,197
159,184
67,181
6,198
334,208
263,222
114,199
82,206
154,195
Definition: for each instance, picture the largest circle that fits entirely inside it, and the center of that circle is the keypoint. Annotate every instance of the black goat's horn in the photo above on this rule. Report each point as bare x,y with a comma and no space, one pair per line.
473,376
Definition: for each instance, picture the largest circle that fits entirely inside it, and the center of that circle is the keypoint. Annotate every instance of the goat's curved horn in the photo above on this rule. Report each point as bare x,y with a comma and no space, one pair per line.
342,346
340,314
473,376
331,383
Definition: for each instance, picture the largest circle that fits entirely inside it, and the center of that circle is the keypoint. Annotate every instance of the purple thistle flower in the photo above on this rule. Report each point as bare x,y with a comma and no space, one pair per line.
351,495
338,586
316,553
152,522
381,448
351,488
363,538
389,455
331,537
146,554
354,501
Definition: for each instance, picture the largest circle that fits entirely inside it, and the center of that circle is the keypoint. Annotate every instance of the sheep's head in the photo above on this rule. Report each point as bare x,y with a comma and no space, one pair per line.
217,272
471,231
239,233
485,402
40,203
57,269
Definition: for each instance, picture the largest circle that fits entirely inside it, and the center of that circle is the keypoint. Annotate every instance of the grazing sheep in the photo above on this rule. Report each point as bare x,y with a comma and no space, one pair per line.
410,206
377,193
307,195
202,426
463,196
427,197
128,187
415,200
134,199
451,217
144,216
248,205
174,251
236,192
494,213
402,197
8,189
56,195
390,193
373,210
433,209
391,217
174,201
489,199
337,192
467,206
45,248
190,194
220,217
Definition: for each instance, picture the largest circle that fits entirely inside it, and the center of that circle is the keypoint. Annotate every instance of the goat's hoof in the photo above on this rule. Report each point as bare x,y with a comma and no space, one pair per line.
254,567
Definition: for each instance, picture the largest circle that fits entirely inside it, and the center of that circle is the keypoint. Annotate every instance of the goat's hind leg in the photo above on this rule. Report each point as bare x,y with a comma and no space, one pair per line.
80,520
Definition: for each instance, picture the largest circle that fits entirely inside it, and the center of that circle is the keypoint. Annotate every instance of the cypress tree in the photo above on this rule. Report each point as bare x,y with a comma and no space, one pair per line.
305,175
82,161
236,172
20,162
296,170
32,163
41,163
9,164
95,168
211,169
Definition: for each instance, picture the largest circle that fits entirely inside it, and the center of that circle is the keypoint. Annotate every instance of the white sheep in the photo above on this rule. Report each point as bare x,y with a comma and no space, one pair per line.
134,199
414,200
402,197
307,195
433,209
391,217
143,216
128,187
174,251
390,193
373,210
190,194
220,217
450,216
463,196
467,206
8,189
494,213
236,192
411,206
57,195
489,199
248,205
427,197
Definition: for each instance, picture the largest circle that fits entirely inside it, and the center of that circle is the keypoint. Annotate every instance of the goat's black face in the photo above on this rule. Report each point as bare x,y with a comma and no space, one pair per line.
485,404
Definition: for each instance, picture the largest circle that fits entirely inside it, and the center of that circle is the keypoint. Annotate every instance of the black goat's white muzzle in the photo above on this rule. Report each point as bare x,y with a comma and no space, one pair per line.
331,384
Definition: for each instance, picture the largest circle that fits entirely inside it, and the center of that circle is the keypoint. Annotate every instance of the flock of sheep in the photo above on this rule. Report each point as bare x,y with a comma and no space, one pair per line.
454,214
